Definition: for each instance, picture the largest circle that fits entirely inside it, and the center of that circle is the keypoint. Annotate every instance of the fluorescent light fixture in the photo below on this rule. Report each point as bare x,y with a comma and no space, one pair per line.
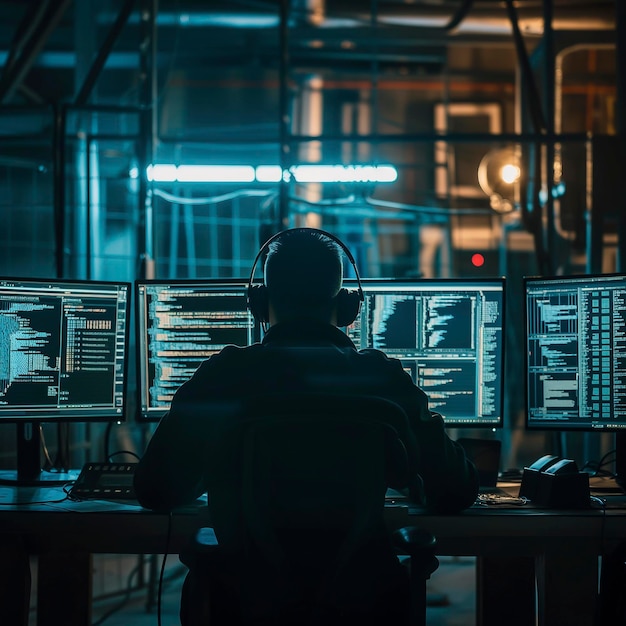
162,173
227,20
215,173
269,173
168,173
344,173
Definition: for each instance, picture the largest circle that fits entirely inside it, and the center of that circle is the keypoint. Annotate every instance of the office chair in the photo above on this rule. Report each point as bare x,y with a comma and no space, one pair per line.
302,539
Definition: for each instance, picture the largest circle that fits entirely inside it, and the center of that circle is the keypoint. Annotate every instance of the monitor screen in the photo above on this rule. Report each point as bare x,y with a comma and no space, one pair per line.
575,339
63,350
179,325
449,336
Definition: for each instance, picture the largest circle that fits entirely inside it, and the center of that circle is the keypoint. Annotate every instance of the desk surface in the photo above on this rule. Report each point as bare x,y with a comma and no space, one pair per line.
104,526
515,546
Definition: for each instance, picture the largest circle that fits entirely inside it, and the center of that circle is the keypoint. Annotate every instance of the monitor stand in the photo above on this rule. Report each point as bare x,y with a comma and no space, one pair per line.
29,472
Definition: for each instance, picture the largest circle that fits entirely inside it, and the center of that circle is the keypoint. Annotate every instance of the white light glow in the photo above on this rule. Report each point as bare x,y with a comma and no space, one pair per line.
510,173
215,173
344,173
162,173
271,173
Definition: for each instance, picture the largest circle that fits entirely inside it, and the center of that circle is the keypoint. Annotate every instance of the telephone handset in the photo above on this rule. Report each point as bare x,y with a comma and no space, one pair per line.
561,467
556,483
543,463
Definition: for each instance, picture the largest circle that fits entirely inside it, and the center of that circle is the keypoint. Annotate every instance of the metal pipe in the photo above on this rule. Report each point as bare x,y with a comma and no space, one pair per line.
620,77
148,132
58,175
284,117
548,96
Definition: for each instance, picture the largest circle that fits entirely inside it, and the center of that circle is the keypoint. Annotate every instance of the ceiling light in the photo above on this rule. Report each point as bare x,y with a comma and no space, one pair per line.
499,174
167,173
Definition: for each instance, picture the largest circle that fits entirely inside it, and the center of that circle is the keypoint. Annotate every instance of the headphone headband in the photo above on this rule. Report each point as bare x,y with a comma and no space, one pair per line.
288,231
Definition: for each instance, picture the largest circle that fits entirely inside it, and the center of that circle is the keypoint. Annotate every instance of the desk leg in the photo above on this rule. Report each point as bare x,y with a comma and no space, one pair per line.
505,591
612,603
567,587
64,590
15,582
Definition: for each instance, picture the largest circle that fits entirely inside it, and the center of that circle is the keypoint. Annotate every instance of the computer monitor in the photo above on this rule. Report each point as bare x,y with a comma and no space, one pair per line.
575,340
63,358
448,333
180,324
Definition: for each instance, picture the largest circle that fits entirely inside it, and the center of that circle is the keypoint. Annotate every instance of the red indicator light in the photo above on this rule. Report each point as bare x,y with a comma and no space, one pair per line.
478,260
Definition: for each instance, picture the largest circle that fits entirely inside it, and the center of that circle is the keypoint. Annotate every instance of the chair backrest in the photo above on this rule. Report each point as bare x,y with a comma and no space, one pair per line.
313,483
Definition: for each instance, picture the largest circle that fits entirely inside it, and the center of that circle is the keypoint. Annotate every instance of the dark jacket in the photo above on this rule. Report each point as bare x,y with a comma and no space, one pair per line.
295,357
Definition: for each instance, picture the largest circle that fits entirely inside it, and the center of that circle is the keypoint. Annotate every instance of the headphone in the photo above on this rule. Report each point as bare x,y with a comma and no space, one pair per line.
348,301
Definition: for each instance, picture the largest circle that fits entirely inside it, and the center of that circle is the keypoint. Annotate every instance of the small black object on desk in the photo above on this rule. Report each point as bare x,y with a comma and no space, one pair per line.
556,483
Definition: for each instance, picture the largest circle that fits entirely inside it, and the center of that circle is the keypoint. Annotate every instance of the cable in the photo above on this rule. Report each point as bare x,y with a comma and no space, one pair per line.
169,197
109,455
351,199
596,466
130,452
460,15
427,209
50,466
409,208
44,447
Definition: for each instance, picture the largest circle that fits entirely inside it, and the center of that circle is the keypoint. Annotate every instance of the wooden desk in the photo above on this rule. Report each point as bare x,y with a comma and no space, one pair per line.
514,546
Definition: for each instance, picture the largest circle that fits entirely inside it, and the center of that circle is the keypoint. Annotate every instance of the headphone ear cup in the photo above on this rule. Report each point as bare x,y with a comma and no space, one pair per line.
348,306
258,303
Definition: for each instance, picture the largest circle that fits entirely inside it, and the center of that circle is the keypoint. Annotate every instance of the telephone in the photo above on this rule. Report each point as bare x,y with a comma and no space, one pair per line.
556,483
105,481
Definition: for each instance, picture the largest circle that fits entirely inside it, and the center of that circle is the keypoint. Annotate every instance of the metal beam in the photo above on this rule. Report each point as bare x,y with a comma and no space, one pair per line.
20,67
534,100
104,52
25,30
548,99
149,132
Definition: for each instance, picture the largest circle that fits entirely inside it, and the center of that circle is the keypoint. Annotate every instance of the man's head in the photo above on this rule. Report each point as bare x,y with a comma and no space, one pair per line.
303,275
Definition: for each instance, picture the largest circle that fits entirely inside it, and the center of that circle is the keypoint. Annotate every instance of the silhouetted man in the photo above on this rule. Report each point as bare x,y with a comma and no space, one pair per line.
302,305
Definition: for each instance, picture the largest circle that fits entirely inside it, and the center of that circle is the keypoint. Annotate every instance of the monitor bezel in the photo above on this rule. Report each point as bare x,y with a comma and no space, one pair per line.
557,427
146,417
495,281
17,416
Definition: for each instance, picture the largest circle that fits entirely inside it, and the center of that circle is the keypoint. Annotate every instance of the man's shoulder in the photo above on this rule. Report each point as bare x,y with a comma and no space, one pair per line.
232,352
374,356
373,353
230,356
259,354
